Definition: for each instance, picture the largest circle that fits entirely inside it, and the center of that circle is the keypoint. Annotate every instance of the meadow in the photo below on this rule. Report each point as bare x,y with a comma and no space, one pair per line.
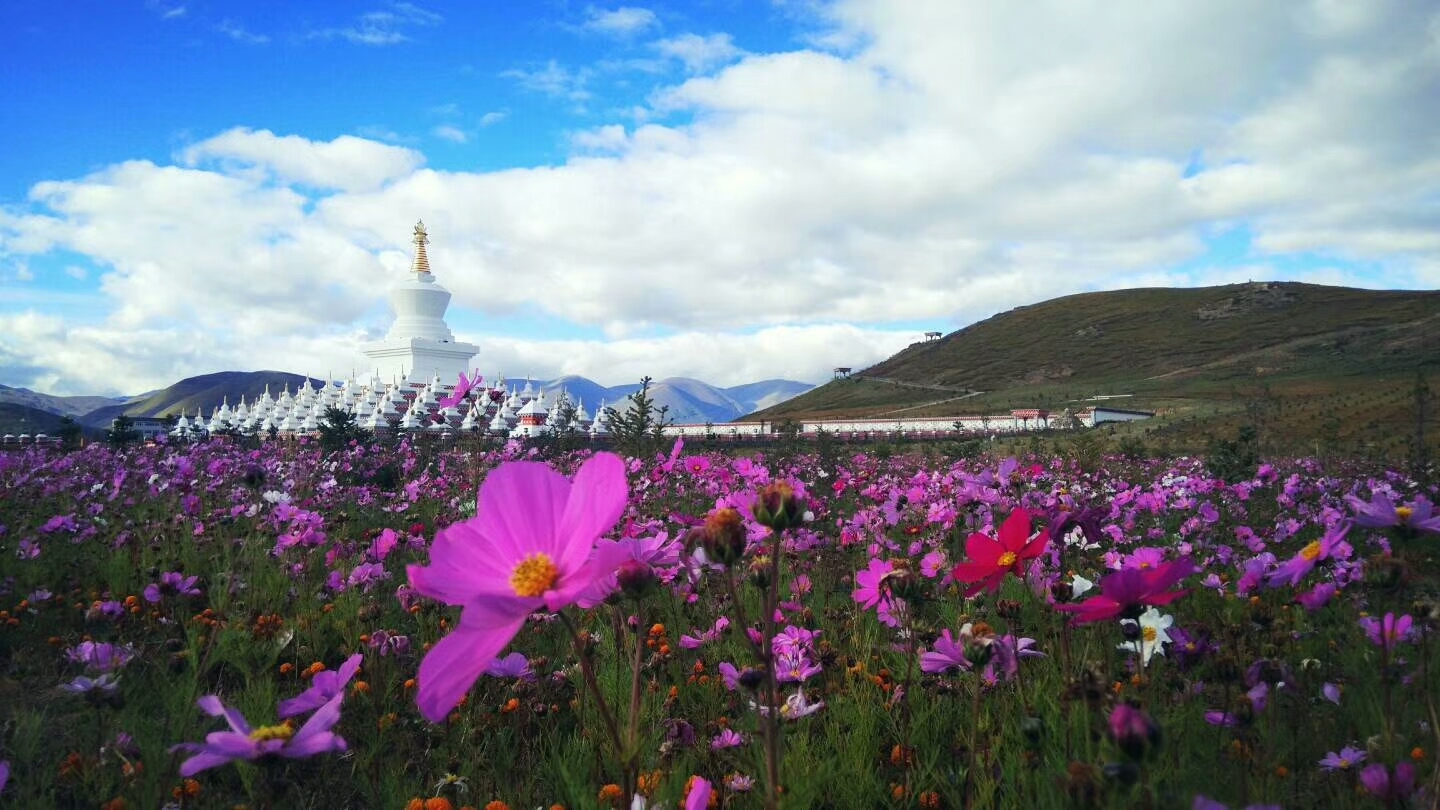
218,625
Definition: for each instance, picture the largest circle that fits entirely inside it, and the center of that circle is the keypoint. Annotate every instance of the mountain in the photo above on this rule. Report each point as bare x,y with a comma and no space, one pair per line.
16,419
199,394
64,406
758,396
688,400
1314,364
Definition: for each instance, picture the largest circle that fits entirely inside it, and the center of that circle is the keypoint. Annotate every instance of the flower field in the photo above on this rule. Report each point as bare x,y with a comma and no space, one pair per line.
212,625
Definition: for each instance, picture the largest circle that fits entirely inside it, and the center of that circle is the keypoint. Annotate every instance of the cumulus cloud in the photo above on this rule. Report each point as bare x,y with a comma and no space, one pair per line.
347,163
952,160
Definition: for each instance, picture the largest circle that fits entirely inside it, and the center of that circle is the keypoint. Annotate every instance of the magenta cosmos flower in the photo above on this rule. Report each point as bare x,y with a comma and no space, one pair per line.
1381,512
1304,561
991,558
243,742
1126,593
528,548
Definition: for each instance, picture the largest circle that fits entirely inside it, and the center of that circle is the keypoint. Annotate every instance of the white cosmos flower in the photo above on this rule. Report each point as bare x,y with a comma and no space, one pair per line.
1153,625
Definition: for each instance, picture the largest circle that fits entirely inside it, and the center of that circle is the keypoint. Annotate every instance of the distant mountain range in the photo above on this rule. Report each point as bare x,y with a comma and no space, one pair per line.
687,400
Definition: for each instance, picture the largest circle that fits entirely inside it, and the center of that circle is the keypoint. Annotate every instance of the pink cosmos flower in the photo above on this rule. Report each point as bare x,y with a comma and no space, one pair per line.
1381,512
727,738
326,685
243,742
1331,545
463,387
991,558
1128,591
527,549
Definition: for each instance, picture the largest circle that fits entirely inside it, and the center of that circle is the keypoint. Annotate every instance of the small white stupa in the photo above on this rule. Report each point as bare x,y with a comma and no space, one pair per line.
419,341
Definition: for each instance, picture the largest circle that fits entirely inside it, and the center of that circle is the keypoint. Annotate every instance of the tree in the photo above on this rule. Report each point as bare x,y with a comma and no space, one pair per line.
338,428
639,429
69,433
122,432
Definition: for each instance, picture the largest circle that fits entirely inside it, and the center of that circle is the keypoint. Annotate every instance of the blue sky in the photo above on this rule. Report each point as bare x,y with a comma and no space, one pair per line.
730,190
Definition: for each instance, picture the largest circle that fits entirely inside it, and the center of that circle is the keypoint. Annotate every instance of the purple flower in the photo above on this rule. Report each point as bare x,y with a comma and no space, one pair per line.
1382,785
243,742
1381,512
1295,569
727,738
172,583
1389,631
324,686
1343,760
100,657
947,655
514,666
388,642
106,684
1331,692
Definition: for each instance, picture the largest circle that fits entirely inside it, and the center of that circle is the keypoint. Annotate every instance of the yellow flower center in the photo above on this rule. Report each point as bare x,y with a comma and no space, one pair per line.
1404,513
1312,551
266,733
1007,559
1149,634
534,575
1344,763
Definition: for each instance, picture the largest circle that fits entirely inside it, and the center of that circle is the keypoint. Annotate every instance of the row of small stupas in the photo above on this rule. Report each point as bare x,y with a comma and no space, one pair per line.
428,406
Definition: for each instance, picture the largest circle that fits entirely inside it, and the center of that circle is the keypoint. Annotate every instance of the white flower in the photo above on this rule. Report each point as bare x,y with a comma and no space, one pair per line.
1079,585
1153,625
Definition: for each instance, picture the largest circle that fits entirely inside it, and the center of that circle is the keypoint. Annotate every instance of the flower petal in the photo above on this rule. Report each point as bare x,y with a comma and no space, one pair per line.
453,664
520,507
597,500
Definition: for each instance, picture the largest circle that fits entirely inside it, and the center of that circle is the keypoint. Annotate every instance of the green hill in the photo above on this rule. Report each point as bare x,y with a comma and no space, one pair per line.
1314,363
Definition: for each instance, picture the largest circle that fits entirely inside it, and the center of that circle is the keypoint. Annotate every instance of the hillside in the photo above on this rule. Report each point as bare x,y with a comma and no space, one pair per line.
19,419
1329,363
195,393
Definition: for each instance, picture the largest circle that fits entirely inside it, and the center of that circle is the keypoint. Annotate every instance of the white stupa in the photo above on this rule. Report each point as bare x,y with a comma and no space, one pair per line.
419,343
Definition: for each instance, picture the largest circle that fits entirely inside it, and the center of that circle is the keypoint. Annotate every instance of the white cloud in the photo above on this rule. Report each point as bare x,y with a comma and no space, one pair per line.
493,117
625,21
699,54
956,160
166,11
382,27
238,32
553,79
450,133
347,163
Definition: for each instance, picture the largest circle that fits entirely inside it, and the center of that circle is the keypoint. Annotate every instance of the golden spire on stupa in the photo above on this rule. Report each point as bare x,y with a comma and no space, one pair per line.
422,238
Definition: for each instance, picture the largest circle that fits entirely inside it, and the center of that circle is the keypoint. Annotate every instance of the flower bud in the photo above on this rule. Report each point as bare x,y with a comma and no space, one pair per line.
1134,731
723,536
636,578
760,571
778,506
